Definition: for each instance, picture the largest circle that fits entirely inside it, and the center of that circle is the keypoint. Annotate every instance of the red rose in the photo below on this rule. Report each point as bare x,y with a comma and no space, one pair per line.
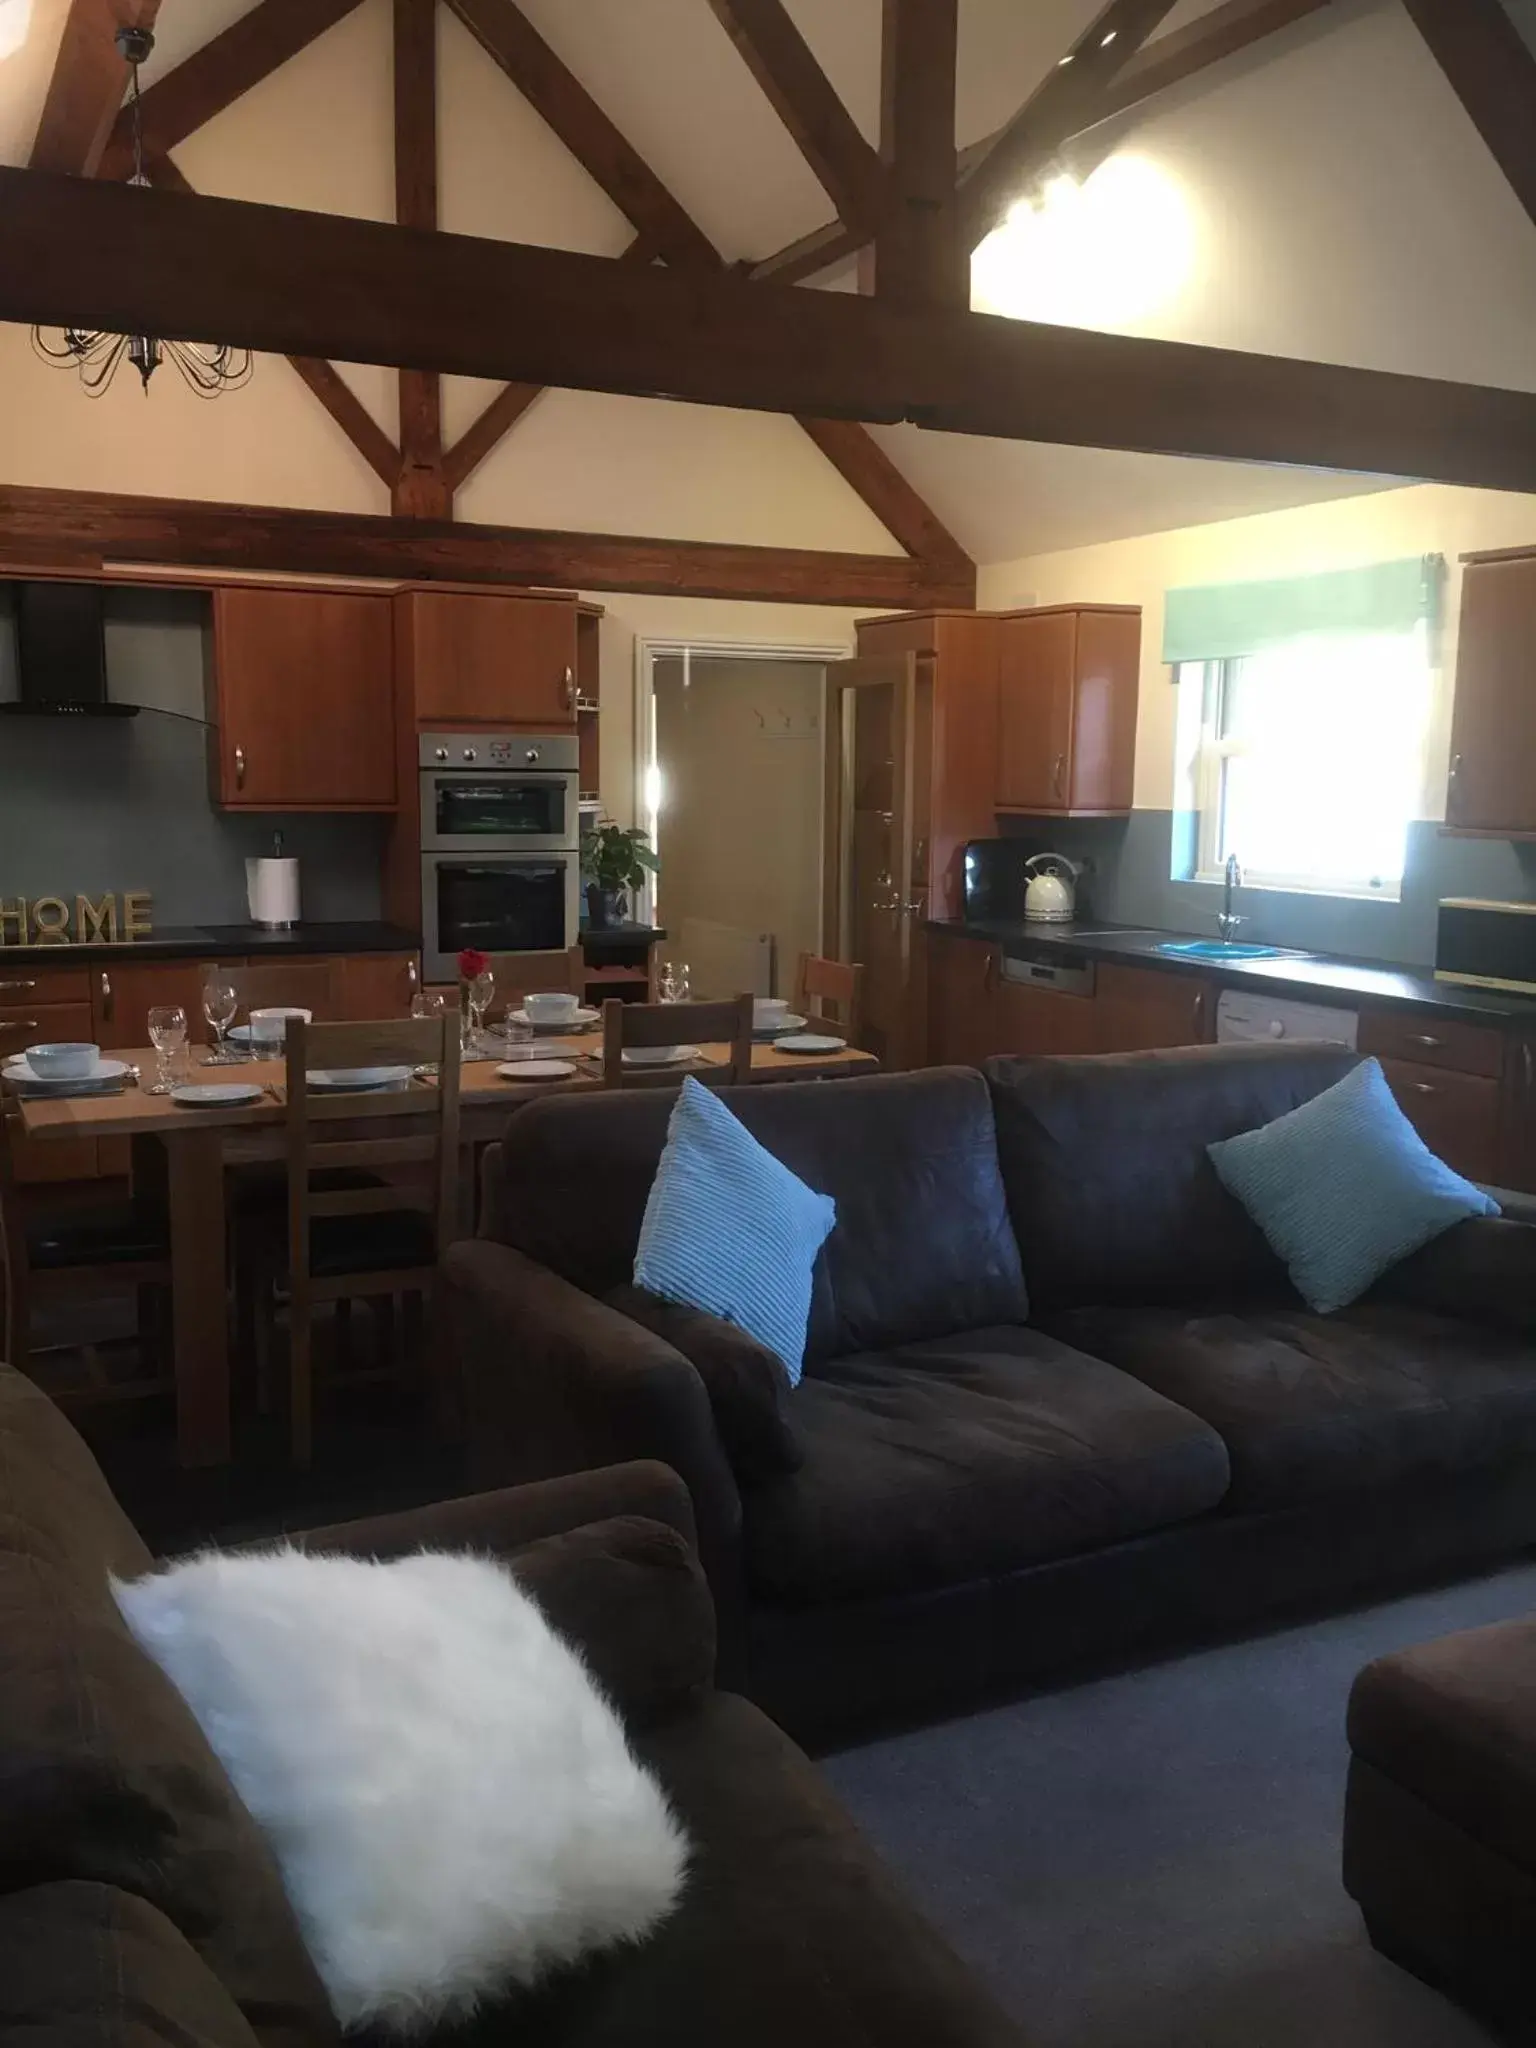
473,963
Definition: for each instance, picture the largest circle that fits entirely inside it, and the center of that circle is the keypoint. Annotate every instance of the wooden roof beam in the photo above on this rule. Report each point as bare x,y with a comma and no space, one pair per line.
421,490
82,252
918,256
86,89
1493,74
1157,67
218,74
800,93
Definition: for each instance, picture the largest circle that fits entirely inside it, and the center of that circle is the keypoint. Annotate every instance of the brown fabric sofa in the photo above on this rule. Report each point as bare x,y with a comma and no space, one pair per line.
139,1903
1060,1399
1440,1817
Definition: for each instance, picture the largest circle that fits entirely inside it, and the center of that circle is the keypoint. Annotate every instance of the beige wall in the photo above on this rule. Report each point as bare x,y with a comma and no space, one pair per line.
1426,519
739,746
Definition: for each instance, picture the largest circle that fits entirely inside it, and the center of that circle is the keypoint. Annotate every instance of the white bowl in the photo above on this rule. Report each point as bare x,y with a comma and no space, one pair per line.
551,1008
278,1016
768,1011
65,1061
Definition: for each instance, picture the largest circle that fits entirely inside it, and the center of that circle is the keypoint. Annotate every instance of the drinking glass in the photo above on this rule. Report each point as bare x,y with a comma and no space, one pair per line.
168,1035
478,994
220,1003
672,985
428,1003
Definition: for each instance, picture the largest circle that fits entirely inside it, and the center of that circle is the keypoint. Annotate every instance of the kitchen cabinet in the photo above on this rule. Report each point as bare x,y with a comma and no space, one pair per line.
1517,1161
122,996
1458,1084
1492,783
1068,687
369,987
1046,1020
40,1006
963,1025
1457,1115
488,659
303,699
1140,1009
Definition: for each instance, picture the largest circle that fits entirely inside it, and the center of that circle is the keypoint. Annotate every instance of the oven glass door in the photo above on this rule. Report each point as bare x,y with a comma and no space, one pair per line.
496,903
463,810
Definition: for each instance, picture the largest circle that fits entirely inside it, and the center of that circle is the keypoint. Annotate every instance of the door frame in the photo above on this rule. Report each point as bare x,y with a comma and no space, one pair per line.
651,648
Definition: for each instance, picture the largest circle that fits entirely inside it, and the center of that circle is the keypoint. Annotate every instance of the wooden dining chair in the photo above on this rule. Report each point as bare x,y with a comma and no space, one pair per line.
523,974
837,982
51,1248
371,1241
650,1024
280,984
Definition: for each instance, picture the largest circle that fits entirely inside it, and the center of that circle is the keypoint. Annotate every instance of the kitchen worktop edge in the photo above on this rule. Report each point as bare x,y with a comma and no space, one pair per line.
225,941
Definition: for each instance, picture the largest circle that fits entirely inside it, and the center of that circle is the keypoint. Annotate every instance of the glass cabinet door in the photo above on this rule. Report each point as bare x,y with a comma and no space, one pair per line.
879,729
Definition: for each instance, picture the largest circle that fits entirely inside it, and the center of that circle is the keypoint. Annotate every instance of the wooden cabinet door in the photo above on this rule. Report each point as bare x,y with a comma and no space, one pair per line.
122,997
1106,689
962,1001
1492,785
24,1021
1517,1160
1457,1115
491,660
370,987
1037,656
1142,1008
304,682
1045,1020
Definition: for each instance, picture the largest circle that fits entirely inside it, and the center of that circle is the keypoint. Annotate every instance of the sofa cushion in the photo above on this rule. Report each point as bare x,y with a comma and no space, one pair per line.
790,1930
86,1966
747,1386
922,1246
1454,1722
1112,1195
107,1777
1309,1406
966,1457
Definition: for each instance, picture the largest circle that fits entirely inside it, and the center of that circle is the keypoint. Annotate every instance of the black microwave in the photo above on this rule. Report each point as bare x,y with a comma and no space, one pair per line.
1487,945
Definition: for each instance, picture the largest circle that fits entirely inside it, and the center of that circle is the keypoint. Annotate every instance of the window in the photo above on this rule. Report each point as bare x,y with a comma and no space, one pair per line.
1309,760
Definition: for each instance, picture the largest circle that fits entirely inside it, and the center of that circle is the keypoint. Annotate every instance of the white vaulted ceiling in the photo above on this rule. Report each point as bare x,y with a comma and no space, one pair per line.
1336,202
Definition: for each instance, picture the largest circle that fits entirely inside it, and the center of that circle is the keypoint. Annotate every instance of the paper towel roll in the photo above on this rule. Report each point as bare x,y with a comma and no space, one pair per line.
272,889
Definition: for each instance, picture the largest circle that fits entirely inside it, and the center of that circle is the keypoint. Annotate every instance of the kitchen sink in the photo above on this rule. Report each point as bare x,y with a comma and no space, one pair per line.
1225,949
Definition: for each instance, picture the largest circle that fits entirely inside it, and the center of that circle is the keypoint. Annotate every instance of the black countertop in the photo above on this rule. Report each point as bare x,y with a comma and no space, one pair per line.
224,942
1304,977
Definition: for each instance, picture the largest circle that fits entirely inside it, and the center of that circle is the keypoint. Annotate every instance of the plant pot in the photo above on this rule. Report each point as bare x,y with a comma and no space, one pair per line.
606,907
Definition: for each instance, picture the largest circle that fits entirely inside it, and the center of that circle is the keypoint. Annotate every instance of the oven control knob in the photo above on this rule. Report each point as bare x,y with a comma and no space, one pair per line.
1276,1028
441,753
531,756
469,753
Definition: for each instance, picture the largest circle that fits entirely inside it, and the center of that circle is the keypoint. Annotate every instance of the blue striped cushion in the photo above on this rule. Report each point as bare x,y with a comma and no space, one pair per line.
730,1229
1344,1187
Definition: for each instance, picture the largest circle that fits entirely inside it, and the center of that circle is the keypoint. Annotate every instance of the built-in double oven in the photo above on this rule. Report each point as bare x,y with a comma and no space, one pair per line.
500,845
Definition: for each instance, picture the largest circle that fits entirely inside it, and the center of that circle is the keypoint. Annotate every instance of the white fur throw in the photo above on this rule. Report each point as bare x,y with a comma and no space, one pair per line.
449,1795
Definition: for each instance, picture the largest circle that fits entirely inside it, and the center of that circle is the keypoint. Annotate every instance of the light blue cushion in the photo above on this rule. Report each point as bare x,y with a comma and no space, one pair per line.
1344,1187
728,1228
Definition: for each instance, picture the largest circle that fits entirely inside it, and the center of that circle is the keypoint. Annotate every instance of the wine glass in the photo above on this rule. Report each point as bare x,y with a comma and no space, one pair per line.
168,1035
479,993
220,1002
672,984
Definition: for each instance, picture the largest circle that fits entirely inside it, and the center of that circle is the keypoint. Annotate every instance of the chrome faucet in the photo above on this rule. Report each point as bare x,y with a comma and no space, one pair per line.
1227,918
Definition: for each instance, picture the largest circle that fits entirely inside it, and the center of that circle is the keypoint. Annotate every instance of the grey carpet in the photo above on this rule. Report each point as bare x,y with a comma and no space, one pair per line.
1151,1860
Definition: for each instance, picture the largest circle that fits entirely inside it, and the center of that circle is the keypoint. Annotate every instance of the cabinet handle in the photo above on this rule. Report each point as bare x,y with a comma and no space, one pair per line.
22,1024
1058,772
239,767
1528,1063
1424,1088
1200,1007
108,1001
1426,1039
412,978
570,689
989,970
16,988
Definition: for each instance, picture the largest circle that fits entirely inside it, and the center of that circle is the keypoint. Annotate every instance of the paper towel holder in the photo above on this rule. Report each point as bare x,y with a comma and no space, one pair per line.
272,888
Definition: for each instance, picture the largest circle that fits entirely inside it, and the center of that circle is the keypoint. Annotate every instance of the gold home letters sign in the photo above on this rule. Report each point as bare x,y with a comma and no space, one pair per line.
78,921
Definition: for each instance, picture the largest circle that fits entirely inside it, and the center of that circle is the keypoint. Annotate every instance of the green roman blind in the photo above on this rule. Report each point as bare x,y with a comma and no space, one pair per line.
1222,620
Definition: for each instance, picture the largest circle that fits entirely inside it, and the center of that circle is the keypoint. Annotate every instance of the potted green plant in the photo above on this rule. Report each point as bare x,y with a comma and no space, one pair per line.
615,859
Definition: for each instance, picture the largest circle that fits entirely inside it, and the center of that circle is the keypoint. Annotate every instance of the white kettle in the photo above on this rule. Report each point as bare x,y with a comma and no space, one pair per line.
1051,897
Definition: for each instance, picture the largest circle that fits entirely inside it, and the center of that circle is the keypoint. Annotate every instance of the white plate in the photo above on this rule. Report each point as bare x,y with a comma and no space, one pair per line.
788,1022
216,1094
537,1070
99,1076
336,1080
582,1016
658,1055
809,1042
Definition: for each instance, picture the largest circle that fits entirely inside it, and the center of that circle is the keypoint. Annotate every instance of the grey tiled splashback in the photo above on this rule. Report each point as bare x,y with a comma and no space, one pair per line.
1129,883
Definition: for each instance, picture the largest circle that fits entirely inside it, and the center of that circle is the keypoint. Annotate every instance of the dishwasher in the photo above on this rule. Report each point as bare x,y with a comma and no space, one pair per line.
1244,1017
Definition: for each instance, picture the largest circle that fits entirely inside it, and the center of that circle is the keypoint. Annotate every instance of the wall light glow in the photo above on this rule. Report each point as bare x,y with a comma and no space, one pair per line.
15,20
1111,252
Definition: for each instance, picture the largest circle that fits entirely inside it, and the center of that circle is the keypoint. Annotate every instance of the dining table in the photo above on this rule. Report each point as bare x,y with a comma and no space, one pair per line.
186,1153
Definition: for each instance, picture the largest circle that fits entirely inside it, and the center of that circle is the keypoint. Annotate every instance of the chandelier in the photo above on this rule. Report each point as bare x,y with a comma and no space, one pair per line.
95,355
